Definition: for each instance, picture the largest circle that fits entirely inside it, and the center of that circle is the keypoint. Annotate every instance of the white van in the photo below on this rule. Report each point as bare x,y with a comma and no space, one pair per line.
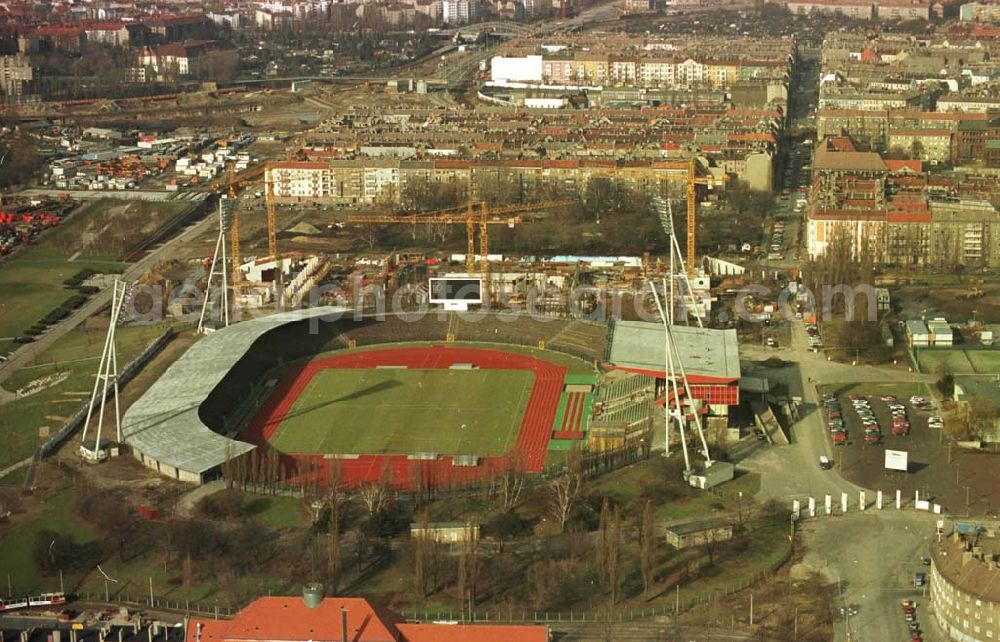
825,463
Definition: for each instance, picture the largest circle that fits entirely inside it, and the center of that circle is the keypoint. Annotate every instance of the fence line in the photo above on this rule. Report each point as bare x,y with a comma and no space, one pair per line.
681,604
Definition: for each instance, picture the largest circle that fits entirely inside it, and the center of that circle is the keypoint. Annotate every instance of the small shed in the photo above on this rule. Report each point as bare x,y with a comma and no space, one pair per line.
697,532
445,532
917,333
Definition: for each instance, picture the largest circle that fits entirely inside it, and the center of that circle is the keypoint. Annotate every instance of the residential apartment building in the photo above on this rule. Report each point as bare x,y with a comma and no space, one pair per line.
867,101
860,9
980,12
177,60
958,102
903,10
852,195
15,74
933,145
456,12
965,588
374,181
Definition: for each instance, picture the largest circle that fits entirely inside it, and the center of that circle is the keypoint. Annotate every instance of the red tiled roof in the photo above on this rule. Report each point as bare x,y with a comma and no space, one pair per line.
289,619
561,164
58,31
896,165
848,215
909,217
447,163
761,137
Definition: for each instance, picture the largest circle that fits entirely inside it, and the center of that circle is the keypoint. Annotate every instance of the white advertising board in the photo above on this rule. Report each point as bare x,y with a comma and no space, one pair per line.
896,460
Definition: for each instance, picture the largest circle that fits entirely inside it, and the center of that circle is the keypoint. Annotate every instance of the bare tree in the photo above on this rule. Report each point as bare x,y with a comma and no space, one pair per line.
187,575
511,481
564,491
375,495
647,547
614,556
468,572
369,233
979,416
710,544
602,539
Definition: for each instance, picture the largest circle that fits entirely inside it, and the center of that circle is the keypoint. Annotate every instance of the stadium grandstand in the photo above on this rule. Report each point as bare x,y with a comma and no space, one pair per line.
710,357
166,427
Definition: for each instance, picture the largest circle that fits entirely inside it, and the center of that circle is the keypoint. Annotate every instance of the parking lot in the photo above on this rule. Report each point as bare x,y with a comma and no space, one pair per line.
948,475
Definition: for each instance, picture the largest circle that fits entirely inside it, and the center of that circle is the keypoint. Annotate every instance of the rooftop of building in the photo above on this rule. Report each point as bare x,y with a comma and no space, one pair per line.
292,619
704,352
969,563
686,527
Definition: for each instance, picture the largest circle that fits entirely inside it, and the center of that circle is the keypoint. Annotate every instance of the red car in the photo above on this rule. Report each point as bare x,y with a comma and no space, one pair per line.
840,437
872,437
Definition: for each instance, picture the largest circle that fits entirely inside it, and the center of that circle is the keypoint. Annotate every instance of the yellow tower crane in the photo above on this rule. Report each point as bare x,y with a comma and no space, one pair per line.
236,276
687,172
272,231
473,214
693,181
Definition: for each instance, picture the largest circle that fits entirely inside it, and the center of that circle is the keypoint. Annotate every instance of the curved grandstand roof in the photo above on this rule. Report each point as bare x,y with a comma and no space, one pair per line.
164,423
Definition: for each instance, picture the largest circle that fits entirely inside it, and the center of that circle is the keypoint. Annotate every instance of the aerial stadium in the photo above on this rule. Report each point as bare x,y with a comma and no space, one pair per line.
443,399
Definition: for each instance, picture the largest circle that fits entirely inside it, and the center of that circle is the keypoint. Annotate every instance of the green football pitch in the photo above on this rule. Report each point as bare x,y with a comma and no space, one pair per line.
404,411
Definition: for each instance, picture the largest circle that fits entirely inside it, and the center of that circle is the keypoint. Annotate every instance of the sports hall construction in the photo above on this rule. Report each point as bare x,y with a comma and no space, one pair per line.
440,400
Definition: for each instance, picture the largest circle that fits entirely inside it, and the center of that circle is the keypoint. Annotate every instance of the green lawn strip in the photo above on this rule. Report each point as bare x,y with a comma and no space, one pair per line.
18,543
31,285
276,512
31,282
15,479
899,389
77,353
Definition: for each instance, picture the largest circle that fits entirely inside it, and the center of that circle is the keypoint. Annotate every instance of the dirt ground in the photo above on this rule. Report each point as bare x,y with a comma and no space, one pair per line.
941,472
126,472
950,298
794,604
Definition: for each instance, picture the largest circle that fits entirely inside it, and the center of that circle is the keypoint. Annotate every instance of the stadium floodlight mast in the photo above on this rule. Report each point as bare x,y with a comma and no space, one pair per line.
674,371
107,372
218,269
665,212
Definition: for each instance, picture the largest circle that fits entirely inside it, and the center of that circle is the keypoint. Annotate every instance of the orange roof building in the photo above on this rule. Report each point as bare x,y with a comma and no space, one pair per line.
344,619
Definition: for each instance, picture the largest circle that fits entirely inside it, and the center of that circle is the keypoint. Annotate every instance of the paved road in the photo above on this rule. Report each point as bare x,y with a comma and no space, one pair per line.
875,554
189,500
25,354
874,557
792,472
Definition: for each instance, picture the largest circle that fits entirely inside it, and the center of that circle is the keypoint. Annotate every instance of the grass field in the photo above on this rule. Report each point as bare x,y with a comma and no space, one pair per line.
31,281
17,560
402,411
939,360
77,353
975,360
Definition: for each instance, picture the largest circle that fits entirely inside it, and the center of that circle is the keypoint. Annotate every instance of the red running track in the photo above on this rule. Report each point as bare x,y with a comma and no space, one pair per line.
529,449
572,417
